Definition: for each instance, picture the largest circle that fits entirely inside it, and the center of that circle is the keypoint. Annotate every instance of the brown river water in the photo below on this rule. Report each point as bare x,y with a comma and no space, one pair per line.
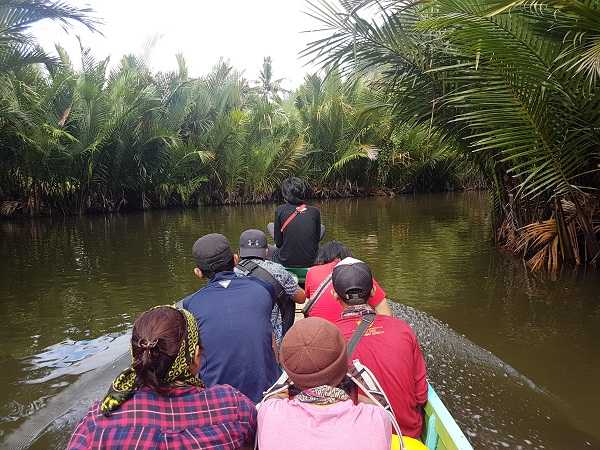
515,356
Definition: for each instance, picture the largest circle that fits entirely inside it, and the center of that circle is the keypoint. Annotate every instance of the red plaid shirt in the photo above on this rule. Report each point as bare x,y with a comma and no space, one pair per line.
218,418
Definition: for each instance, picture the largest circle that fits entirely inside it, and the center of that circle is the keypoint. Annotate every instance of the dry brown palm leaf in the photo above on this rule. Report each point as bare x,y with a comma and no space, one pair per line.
8,208
541,240
572,230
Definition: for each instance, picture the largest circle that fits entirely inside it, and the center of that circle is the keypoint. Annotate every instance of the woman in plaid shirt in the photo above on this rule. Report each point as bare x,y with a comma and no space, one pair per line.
159,403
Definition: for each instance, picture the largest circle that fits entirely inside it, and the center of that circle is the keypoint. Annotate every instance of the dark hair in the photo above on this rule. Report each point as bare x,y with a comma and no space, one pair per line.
155,342
293,190
215,268
331,251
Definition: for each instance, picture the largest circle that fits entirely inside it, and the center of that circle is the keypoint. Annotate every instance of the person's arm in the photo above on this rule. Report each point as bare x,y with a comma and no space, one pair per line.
383,308
80,439
420,374
277,234
299,296
378,300
318,224
291,287
246,417
308,284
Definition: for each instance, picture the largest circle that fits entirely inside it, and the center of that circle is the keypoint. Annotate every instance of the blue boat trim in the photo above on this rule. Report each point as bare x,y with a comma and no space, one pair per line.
431,438
443,415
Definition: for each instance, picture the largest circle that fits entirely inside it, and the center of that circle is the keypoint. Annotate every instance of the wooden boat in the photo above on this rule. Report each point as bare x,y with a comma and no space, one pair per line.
441,432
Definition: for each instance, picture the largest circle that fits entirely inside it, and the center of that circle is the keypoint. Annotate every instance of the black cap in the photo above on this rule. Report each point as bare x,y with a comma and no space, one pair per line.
353,281
253,243
211,251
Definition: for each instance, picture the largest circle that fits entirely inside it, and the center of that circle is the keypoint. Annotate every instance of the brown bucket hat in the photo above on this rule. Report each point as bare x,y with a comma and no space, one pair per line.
313,353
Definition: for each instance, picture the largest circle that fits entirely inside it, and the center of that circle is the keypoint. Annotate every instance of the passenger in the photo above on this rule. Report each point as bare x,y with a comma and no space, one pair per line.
297,227
322,415
318,287
234,317
286,292
159,402
388,346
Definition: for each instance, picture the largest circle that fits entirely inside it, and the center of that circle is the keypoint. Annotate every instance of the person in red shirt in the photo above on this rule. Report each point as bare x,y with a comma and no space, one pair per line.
388,347
325,305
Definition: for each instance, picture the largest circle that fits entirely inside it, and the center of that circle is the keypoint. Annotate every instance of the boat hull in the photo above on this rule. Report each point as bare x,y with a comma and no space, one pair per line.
441,432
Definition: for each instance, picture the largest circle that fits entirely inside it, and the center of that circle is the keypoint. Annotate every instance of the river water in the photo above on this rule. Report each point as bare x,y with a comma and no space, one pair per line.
515,356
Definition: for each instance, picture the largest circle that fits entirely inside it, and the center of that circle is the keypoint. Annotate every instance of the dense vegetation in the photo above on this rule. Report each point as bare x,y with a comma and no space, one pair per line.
415,96
514,82
96,139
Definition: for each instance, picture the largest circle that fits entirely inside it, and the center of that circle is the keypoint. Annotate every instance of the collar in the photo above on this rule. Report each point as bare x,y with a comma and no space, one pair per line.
222,276
358,311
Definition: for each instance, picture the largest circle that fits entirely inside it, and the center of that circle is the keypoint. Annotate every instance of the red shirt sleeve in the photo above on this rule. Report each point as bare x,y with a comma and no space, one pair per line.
308,283
378,296
420,374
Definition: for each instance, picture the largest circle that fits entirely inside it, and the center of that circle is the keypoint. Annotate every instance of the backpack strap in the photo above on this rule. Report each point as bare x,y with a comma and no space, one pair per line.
286,306
317,295
365,322
299,210
249,267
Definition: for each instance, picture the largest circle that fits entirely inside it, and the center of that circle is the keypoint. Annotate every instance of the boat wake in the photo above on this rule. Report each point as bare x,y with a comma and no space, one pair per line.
496,406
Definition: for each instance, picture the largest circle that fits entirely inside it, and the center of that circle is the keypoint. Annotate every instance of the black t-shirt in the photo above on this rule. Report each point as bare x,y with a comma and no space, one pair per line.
299,242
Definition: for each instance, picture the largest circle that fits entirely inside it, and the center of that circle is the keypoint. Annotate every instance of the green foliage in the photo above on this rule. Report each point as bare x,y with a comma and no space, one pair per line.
514,83
98,140
17,48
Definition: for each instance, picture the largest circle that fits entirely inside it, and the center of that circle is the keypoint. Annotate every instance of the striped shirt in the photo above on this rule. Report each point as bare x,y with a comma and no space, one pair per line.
220,418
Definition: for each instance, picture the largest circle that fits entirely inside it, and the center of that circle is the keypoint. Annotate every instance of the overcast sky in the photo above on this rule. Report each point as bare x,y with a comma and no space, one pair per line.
243,31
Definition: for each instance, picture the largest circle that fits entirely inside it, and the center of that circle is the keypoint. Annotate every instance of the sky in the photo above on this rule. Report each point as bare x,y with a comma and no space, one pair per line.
242,31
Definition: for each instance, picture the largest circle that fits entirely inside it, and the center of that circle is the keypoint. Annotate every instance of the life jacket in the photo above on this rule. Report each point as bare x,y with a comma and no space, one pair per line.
280,297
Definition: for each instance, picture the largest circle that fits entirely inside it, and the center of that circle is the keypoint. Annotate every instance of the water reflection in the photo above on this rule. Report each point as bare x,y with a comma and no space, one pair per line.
74,280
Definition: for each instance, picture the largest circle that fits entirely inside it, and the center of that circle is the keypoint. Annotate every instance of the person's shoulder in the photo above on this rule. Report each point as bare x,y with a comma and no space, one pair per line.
395,323
220,390
226,394
313,210
283,207
197,300
374,413
269,265
94,411
322,268
276,269
187,300
273,406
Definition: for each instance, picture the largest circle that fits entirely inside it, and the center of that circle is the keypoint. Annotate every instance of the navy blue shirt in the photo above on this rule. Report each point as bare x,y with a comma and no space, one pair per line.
234,317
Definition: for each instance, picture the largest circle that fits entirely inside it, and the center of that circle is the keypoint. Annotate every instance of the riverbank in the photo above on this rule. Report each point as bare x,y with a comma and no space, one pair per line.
348,190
